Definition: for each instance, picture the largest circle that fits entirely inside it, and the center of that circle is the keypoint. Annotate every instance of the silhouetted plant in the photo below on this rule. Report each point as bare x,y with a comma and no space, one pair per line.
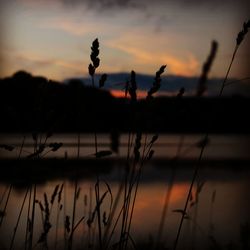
204,142
239,39
18,220
157,82
138,153
132,87
3,212
205,70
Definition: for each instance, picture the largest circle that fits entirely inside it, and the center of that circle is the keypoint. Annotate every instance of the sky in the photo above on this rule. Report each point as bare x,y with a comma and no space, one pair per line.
53,38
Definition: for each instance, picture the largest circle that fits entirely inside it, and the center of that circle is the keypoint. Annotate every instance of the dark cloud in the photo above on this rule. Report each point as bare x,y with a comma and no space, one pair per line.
104,5
142,4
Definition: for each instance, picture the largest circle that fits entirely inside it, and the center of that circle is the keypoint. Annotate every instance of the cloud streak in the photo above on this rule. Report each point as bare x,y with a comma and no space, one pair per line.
70,26
148,4
142,58
38,64
105,5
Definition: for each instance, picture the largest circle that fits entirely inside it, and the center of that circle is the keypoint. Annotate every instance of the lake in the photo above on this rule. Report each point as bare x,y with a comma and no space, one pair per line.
217,214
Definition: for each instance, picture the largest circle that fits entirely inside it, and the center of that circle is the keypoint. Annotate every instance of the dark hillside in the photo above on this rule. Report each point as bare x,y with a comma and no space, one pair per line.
29,104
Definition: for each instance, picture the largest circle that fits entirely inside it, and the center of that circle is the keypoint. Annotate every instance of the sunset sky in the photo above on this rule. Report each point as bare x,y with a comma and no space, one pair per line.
53,38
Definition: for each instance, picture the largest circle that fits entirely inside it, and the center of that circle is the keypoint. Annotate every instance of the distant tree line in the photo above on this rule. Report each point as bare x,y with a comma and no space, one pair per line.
29,104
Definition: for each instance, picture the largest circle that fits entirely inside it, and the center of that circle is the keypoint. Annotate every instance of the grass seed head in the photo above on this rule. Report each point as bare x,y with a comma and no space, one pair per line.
133,86
40,205
60,193
91,69
181,92
55,146
67,223
94,57
157,82
201,87
53,196
102,80
243,32
150,155
46,204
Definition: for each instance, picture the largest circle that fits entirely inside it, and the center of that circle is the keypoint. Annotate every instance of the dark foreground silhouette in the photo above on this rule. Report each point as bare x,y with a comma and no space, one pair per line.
36,104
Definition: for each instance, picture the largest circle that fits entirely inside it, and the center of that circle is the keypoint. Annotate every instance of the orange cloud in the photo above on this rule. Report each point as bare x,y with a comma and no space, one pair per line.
146,58
38,64
69,26
187,67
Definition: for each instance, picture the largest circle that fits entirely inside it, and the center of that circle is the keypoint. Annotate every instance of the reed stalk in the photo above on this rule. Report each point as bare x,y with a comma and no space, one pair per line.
168,195
6,204
73,216
27,231
146,155
200,90
18,219
206,69
59,208
211,213
189,194
4,193
32,219
97,196
22,145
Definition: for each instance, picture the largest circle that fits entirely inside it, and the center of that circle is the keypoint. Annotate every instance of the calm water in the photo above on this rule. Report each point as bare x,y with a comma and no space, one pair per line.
222,207
219,147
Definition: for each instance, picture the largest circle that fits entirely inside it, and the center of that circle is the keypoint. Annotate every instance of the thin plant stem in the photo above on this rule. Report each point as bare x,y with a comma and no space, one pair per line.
211,211
95,135
4,193
97,193
127,171
228,70
78,145
75,194
189,193
165,209
21,149
122,208
168,195
115,224
236,81
97,188
125,207
112,215
202,150
6,204
90,210
28,215
32,218
73,216
18,219
195,216
119,215
78,223
57,222
144,157
64,213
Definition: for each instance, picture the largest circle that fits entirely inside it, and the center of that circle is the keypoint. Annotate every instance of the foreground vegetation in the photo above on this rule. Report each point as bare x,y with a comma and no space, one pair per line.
110,216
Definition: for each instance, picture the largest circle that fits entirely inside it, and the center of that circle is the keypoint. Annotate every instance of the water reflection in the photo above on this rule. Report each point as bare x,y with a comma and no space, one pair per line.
220,146
229,207
217,215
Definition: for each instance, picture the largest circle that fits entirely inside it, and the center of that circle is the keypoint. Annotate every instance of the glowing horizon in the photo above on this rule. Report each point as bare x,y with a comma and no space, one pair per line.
53,39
